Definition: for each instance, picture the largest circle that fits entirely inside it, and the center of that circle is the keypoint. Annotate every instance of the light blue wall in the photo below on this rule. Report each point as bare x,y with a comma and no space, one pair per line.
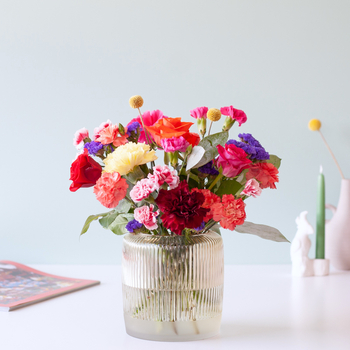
71,64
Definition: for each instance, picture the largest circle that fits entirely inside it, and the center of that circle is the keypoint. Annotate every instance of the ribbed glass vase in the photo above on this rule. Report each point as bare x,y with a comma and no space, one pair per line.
172,286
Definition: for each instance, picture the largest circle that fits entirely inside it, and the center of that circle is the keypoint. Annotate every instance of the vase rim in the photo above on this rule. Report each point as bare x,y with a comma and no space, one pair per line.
173,236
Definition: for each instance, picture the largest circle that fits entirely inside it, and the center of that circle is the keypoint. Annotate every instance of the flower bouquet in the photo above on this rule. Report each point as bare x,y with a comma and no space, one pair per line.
172,212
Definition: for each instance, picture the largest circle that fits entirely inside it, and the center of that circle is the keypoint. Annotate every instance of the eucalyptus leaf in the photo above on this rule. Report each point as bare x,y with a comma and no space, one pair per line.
263,231
89,220
118,225
241,178
209,143
130,187
135,175
195,156
108,219
123,206
276,161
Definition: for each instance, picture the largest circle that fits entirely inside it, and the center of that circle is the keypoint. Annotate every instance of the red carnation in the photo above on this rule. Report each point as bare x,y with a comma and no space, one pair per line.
181,208
210,199
230,212
84,172
265,173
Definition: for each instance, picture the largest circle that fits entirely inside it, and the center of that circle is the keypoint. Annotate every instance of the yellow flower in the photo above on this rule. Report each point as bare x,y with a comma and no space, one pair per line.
136,101
214,114
126,157
314,125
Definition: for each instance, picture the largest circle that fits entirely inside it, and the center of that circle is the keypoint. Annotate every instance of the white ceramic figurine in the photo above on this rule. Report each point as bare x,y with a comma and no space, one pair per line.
302,266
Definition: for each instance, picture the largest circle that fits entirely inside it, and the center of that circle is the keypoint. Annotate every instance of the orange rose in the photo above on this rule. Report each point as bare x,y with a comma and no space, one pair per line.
172,127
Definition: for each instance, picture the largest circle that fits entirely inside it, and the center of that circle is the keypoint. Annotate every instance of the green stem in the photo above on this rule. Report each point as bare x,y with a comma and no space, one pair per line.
210,226
183,164
215,181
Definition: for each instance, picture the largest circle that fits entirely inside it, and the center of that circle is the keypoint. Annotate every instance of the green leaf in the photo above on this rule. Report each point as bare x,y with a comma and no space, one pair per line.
130,187
108,219
192,183
123,206
274,160
135,175
118,225
209,143
194,177
263,231
228,187
89,220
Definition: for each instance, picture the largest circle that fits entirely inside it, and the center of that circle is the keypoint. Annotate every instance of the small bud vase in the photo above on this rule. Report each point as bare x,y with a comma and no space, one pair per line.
173,286
338,230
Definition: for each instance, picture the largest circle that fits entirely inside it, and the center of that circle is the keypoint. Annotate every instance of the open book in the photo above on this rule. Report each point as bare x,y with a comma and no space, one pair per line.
21,285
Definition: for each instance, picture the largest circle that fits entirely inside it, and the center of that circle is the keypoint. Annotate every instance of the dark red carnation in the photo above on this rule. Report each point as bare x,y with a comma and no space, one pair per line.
84,172
181,208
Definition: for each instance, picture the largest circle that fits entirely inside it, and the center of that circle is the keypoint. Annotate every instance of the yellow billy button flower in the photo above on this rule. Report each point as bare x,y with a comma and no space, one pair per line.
214,114
136,101
314,125
126,157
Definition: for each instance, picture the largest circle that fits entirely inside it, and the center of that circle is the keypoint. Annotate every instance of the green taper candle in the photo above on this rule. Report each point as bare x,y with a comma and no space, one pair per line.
320,216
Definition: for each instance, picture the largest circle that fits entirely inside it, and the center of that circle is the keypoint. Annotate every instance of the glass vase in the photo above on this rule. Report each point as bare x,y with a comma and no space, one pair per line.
173,286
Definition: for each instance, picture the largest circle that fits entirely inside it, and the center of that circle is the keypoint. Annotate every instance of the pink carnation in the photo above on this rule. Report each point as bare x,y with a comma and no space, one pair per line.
79,137
232,159
145,215
174,144
110,135
235,114
110,188
199,112
102,126
252,188
143,189
162,173
149,119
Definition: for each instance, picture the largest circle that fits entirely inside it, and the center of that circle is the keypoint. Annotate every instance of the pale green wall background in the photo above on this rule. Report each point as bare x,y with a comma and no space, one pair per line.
71,64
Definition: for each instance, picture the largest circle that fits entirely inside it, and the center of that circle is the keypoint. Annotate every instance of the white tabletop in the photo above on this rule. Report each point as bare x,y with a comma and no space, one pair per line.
264,308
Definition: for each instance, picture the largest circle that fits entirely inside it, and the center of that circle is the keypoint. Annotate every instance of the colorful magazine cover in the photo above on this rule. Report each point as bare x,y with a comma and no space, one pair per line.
21,285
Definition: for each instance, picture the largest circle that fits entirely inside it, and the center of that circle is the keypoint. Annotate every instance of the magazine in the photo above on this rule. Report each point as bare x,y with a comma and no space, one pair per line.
21,285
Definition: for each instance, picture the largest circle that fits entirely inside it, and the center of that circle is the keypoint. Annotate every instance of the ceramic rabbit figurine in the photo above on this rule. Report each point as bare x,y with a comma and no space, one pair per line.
302,266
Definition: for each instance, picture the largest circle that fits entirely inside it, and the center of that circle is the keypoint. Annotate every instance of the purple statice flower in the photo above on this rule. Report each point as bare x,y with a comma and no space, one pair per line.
251,146
133,127
93,147
201,227
133,225
247,148
208,169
